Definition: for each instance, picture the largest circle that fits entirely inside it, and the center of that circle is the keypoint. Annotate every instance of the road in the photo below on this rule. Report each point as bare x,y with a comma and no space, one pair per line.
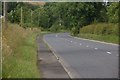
84,58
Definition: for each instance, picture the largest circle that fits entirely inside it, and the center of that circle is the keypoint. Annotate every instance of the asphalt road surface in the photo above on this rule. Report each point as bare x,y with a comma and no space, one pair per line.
84,58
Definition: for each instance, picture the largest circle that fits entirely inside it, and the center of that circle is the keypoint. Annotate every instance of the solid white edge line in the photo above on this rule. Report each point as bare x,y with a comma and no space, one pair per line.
69,74
87,46
95,41
56,35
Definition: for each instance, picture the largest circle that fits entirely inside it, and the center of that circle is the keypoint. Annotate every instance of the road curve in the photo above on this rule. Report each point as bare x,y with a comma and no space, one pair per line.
84,58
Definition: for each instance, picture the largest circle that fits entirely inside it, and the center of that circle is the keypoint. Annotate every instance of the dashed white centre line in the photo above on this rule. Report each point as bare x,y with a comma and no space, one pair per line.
56,35
70,41
87,46
109,52
80,44
95,48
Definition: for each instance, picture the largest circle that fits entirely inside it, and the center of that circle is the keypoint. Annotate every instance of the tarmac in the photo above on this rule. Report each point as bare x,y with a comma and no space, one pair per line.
48,64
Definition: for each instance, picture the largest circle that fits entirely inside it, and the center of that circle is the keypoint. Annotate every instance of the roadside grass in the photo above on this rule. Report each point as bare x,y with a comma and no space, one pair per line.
46,32
107,32
19,53
104,38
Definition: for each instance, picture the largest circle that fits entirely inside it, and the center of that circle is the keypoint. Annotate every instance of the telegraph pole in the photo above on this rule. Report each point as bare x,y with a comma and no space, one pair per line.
5,14
31,17
21,16
38,18
59,20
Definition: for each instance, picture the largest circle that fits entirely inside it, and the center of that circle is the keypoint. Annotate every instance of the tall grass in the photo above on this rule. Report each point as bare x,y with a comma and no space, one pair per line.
107,32
19,53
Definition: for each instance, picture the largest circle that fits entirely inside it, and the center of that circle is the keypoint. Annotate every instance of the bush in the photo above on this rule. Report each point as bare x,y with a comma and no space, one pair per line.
101,28
75,31
54,28
57,27
26,25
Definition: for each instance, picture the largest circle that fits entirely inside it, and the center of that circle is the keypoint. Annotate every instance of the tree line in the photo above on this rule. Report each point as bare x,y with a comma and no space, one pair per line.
58,16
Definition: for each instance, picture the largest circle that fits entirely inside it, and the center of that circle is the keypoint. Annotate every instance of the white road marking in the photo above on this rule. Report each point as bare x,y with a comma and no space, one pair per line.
87,46
109,52
95,48
80,44
56,35
96,41
70,41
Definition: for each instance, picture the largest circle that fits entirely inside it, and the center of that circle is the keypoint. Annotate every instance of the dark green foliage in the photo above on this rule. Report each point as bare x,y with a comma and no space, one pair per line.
66,16
56,27
25,25
14,16
77,14
113,9
105,29
14,13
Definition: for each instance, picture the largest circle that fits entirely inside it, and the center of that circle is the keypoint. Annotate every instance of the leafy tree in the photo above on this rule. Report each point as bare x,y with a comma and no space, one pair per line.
112,12
40,17
66,15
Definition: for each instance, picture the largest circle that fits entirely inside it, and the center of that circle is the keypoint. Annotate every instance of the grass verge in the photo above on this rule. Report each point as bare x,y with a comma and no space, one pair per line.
19,53
101,31
104,38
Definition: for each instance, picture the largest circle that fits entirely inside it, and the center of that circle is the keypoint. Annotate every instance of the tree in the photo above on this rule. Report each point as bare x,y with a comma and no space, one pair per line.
112,12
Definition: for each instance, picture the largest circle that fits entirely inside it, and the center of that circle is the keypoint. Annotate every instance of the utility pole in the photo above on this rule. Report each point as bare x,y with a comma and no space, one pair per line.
48,22
21,17
59,20
5,14
38,18
31,17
